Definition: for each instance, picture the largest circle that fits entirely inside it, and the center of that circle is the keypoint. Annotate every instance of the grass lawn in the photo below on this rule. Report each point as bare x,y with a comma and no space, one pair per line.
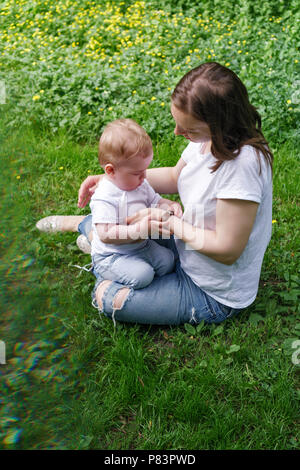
71,380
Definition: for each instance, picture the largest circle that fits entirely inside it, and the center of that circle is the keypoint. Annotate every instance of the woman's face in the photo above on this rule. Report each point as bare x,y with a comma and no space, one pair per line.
191,128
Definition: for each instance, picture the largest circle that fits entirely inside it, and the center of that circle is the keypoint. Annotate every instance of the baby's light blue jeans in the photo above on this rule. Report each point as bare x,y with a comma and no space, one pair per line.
171,299
137,268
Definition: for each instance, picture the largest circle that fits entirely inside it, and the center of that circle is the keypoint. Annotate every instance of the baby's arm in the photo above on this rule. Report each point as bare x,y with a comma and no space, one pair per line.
122,234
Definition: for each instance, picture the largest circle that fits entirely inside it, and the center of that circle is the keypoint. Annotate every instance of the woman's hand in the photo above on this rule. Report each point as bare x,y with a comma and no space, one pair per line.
87,189
154,221
173,206
176,208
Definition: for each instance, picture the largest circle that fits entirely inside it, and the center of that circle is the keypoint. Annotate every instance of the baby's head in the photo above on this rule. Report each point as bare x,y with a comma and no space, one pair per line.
125,152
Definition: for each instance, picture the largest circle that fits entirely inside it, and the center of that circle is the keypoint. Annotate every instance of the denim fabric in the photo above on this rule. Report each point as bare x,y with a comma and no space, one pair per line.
136,269
85,227
171,299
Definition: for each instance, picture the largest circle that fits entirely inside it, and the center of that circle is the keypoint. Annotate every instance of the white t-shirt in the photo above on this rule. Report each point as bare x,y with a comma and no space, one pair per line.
235,285
110,204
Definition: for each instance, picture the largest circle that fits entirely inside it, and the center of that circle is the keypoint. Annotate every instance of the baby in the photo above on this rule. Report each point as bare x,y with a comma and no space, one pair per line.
118,253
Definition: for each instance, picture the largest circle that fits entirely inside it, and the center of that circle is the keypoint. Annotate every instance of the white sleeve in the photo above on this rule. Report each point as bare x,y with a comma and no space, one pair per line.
240,178
152,197
103,212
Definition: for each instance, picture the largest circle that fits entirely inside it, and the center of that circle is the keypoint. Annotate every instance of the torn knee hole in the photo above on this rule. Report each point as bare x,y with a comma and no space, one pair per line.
100,291
120,298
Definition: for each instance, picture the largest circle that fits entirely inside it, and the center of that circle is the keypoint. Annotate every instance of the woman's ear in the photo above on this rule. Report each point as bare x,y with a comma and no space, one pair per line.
109,169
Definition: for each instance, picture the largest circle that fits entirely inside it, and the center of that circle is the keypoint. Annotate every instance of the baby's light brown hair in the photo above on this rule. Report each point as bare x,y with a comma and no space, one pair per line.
121,140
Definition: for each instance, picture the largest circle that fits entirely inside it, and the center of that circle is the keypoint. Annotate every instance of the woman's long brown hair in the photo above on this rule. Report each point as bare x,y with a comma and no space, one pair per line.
214,94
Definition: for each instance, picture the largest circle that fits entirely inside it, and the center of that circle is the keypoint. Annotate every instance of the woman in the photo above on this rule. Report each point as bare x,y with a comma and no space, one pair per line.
224,179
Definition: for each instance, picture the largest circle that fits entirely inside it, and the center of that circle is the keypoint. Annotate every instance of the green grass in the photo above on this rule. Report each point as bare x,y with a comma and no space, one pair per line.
73,381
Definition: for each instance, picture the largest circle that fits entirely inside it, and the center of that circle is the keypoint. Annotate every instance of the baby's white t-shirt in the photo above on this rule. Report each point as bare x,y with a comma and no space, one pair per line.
235,285
110,204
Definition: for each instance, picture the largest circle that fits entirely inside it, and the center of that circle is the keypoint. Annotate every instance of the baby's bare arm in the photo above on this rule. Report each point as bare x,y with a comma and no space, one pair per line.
121,234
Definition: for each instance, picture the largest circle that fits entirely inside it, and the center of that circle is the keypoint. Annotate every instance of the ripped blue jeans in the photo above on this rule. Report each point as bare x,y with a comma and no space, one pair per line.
172,299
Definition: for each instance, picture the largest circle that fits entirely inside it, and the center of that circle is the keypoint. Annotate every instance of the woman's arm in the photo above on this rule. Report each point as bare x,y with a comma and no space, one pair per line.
164,180
87,189
234,222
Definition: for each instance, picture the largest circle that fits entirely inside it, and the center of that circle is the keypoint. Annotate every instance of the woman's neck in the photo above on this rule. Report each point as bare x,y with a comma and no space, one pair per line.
206,147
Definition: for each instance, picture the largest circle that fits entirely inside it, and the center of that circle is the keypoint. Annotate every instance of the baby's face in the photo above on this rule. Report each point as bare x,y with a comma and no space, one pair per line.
130,174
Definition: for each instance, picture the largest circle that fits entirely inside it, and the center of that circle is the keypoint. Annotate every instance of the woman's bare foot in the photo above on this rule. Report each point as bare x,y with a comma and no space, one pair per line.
59,223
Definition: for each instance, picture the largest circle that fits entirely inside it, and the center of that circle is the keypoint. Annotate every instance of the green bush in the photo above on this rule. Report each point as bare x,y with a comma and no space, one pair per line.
77,65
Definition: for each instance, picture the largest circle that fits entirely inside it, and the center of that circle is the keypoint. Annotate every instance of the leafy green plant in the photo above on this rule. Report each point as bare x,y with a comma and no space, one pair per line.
107,60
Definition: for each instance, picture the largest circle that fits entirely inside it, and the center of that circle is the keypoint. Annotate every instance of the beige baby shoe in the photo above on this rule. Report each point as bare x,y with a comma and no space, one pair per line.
83,244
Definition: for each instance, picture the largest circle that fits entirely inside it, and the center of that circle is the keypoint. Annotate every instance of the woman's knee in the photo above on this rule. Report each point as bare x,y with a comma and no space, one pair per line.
100,291
119,298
